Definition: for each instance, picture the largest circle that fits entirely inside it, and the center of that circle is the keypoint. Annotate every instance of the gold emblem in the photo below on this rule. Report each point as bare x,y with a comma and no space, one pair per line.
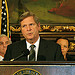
27,71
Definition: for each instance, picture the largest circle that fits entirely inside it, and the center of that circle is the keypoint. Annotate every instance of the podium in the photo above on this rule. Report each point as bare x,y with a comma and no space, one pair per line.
43,67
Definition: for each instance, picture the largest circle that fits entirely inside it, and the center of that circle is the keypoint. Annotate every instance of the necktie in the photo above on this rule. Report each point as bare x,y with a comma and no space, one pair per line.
32,53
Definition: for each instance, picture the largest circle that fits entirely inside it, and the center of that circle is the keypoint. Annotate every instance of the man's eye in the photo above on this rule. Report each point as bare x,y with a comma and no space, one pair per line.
31,24
7,42
24,26
1,43
65,46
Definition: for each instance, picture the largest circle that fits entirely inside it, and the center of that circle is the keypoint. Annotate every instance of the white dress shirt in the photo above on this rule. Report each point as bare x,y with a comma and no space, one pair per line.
1,58
36,48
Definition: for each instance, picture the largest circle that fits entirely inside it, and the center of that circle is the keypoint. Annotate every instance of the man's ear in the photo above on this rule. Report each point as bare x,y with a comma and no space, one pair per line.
39,25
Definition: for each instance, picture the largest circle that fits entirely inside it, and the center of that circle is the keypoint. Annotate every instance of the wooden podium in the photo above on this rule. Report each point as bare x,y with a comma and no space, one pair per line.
44,68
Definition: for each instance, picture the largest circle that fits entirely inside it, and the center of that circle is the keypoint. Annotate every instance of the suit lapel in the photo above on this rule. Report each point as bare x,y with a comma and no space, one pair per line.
23,49
23,45
42,51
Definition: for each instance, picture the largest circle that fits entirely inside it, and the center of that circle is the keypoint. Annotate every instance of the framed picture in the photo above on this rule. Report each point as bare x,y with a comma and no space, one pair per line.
48,11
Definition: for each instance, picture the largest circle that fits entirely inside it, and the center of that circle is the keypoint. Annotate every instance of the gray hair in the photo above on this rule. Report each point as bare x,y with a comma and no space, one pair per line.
2,35
27,14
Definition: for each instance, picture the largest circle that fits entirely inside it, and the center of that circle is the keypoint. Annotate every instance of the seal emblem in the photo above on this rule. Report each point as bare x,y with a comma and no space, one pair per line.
27,71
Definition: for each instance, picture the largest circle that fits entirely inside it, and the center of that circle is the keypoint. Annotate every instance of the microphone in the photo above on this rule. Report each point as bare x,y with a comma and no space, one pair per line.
25,53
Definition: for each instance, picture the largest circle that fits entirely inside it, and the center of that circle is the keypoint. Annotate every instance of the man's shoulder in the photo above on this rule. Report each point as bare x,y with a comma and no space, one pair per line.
48,41
17,43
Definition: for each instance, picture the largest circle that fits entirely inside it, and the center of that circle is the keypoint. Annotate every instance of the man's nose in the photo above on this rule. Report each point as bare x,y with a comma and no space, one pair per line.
62,48
28,28
4,45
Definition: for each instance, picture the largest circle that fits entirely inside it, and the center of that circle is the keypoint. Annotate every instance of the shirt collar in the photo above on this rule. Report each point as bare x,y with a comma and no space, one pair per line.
36,43
1,58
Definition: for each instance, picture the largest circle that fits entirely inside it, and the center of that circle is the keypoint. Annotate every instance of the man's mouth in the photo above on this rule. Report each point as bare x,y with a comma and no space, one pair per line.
29,33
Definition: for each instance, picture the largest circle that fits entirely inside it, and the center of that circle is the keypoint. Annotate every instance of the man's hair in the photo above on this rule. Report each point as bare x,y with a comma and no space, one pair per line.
27,14
2,35
63,38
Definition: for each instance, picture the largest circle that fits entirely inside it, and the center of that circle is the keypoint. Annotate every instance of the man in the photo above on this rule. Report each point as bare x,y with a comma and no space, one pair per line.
64,43
4,42
44,50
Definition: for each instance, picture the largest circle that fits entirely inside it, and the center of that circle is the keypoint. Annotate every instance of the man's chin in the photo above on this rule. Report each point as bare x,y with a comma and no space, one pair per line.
29,38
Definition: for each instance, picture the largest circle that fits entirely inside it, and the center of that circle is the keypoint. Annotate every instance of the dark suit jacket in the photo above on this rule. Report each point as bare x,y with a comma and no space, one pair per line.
48,51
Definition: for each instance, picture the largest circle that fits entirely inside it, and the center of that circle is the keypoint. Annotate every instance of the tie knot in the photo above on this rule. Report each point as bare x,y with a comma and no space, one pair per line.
32,46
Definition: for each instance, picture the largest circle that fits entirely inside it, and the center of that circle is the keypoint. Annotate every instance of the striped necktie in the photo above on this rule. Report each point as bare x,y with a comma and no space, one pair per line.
32,53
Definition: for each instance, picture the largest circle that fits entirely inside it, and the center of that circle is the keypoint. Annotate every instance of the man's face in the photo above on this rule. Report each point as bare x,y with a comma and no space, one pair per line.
30,29
64,45
4,42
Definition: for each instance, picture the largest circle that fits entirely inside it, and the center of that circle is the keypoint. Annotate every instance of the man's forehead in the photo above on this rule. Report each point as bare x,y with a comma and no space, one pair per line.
4,38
